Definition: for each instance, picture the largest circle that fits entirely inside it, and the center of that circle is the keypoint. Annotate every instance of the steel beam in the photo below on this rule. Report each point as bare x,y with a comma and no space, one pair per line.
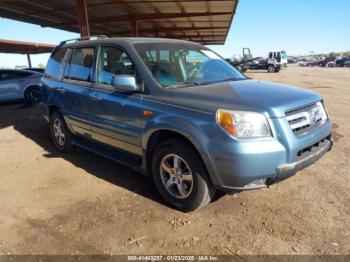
83,19
145,17
29,61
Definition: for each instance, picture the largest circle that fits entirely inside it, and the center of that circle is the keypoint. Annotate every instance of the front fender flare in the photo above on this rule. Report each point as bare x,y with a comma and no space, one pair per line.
185,128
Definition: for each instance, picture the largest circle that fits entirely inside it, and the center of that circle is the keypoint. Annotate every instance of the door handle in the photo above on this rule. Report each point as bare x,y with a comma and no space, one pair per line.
94,97
61,90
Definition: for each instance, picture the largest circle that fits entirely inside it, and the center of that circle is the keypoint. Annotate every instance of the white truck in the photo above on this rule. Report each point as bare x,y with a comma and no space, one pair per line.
278,56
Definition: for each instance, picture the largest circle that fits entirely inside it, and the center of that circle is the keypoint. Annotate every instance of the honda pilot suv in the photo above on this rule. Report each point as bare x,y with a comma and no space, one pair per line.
178,112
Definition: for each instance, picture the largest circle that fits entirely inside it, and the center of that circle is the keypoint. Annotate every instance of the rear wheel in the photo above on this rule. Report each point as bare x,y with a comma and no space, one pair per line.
31,94
60,134
180,176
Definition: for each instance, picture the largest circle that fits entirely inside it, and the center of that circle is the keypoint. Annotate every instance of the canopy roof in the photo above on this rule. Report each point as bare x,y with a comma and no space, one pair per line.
16,47
206,22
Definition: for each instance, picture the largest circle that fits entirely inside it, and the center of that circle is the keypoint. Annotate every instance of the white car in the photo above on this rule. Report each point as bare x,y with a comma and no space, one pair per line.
19,84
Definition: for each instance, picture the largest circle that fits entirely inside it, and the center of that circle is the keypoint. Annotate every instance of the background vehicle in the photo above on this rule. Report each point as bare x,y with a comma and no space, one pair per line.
175,110
19,84
247,62
325,61
262,64
340,62
292,61
279,57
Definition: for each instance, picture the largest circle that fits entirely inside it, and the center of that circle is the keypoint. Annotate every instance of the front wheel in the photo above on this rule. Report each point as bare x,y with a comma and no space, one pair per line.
270,69
60,134
180,176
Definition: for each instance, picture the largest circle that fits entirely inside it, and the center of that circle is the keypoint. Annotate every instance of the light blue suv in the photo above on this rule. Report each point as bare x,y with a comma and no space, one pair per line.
178,112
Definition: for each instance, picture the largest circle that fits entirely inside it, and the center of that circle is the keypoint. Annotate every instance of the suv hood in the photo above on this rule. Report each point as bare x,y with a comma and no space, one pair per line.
250,95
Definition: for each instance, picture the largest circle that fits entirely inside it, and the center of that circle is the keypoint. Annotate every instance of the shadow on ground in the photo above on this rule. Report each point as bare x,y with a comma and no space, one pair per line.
27,120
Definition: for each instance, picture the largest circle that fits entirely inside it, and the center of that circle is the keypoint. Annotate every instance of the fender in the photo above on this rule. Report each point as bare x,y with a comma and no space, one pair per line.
185,128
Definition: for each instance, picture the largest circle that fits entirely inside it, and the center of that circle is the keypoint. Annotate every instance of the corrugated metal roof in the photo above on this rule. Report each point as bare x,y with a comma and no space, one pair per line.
207,22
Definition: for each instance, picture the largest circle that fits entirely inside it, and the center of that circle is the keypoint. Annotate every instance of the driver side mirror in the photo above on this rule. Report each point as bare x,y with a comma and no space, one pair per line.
125,83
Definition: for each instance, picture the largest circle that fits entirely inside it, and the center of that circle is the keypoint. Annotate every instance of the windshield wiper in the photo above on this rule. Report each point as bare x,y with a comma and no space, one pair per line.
180,85
224,80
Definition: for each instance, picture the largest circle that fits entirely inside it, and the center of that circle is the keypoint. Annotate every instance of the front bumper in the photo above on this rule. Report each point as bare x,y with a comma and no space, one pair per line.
314,153
284,171
237,164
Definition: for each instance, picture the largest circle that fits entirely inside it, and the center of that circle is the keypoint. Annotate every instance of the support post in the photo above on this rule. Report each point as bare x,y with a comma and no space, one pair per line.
135,29
29,61
83,19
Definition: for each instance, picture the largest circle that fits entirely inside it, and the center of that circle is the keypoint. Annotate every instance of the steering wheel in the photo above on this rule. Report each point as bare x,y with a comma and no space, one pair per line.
192,75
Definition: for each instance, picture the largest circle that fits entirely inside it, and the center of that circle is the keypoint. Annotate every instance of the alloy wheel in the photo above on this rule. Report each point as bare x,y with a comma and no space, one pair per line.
58,132
176,176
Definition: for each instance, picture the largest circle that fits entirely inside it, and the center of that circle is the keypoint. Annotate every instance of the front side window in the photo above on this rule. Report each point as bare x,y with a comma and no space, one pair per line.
113,61
80,64
181,65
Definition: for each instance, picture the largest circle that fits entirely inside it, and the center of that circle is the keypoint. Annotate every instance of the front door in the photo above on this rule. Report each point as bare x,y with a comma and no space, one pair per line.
116,118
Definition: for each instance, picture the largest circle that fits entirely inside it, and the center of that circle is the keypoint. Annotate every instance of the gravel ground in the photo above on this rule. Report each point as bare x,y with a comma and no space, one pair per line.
81,203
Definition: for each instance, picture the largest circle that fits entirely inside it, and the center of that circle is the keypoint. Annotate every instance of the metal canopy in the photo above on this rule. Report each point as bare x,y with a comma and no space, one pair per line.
16,47
206,22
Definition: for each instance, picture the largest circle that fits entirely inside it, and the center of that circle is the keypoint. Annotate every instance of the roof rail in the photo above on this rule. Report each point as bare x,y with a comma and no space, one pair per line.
82,39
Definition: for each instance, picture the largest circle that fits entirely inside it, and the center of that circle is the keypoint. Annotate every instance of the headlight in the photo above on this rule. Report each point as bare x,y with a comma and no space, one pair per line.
322,111
243,124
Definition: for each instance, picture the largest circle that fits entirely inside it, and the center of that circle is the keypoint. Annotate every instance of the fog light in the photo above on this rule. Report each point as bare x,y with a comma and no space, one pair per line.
256,183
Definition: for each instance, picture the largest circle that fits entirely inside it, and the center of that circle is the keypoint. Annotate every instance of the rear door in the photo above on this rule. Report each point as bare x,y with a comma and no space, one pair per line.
73,91
116,118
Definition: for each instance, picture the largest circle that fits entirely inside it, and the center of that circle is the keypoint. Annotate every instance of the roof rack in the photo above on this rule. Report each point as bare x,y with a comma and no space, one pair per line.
82,39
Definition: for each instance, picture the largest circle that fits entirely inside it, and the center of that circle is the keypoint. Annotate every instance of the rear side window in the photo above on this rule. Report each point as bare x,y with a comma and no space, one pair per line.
55,66
80,64
12,75
20,74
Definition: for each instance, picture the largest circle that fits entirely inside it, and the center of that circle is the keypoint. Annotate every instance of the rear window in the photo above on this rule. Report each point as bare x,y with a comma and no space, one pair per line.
55,66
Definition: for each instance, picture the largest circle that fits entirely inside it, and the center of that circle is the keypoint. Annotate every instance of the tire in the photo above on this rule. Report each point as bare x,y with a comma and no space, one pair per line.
60,134
270,69
277,70
188,187
31,95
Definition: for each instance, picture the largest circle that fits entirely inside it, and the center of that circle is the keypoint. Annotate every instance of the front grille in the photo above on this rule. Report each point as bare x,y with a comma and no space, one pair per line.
304,119
305,152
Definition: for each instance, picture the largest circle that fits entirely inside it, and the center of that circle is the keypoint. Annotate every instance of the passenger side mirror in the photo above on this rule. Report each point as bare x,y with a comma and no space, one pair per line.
125,83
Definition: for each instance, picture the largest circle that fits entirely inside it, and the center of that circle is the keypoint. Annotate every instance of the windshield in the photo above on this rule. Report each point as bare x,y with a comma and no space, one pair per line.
181,65
284,54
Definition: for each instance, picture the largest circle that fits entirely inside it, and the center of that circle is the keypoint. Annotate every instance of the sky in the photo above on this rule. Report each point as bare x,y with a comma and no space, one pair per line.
297,26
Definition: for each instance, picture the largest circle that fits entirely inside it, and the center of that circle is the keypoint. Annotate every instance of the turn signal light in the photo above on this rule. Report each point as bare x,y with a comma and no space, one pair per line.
225,120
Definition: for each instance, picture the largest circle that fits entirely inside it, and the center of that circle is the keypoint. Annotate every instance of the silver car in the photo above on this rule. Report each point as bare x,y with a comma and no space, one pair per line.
19,84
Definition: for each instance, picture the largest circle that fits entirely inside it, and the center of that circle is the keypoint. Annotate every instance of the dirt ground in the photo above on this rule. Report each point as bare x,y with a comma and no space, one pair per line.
82,203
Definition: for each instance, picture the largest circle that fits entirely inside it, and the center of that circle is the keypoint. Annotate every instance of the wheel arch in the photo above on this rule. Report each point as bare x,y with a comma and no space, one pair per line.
52,108
188,133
